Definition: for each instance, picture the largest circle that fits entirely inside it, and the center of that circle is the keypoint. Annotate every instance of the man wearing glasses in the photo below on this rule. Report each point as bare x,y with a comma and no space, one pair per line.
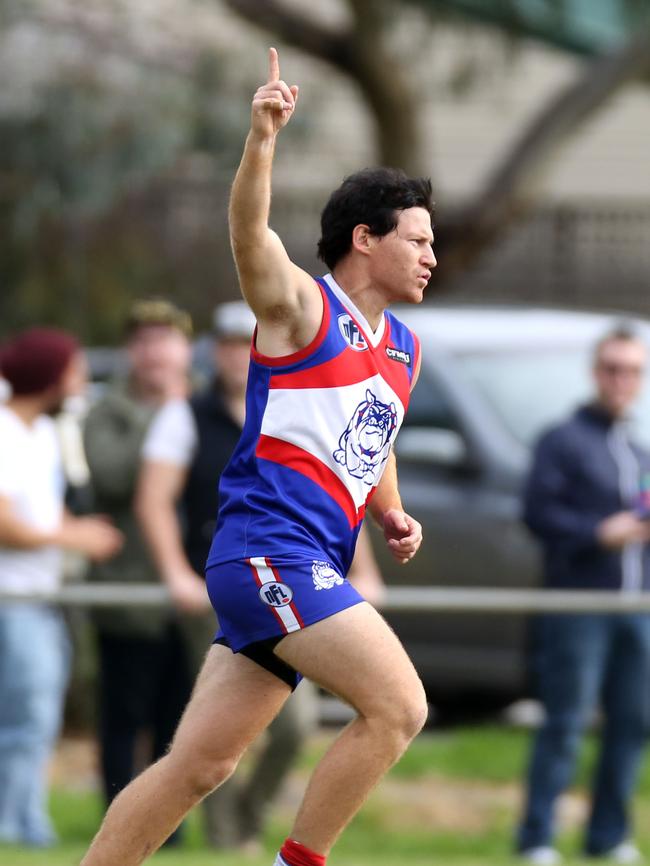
586,500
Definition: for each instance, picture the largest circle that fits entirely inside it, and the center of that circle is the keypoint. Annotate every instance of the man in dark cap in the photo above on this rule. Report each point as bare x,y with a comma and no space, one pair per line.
42,367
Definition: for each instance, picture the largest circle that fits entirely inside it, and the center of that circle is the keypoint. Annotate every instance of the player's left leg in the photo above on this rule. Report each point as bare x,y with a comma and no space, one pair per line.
234,700
355,655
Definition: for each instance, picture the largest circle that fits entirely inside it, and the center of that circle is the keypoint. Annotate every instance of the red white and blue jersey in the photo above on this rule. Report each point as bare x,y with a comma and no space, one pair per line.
320,424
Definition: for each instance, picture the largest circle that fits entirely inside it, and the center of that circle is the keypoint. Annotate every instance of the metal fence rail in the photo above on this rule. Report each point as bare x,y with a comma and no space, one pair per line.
402,599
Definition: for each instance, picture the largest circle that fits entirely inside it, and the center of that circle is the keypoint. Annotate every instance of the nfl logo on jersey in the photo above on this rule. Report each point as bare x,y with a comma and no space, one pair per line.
351,333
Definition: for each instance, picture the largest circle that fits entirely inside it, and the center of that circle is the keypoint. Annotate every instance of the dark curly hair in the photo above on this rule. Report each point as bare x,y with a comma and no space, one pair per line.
372,197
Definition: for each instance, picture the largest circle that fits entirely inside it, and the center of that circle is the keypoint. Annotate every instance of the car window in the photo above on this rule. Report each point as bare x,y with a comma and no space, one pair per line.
430,406
531,390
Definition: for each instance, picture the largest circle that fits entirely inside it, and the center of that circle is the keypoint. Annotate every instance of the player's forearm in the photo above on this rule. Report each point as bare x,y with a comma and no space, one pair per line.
250,199
387,495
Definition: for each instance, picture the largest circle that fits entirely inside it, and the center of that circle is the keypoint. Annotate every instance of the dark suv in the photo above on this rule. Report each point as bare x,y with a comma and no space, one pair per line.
491,380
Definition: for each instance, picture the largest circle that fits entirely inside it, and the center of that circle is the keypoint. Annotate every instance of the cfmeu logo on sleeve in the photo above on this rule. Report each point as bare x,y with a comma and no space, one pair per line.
276,594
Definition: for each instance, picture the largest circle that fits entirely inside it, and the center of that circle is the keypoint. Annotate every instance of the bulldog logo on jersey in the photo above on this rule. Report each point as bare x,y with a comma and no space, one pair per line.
365,443
351,333
325,577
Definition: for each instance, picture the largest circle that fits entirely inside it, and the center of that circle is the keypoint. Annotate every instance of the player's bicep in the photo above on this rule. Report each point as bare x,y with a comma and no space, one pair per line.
274,287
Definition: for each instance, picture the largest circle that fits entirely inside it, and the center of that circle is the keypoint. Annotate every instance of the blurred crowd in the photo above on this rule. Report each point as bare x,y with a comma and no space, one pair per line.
142,509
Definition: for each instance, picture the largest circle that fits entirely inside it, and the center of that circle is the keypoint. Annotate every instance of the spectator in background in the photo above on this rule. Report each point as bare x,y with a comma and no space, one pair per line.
585,502
143,681
185,452
42,367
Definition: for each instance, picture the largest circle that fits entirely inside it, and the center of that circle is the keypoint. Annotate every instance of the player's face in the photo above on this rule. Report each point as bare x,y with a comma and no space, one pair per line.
618,372
403,259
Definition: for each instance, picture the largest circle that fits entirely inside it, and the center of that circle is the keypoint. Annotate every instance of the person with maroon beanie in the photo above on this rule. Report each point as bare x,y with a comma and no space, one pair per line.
42,367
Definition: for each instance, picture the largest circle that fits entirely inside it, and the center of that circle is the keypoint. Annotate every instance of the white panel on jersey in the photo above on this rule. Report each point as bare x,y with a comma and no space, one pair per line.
349,428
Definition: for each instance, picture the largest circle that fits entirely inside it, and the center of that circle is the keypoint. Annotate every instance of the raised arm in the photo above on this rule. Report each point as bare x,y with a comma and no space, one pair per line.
286,301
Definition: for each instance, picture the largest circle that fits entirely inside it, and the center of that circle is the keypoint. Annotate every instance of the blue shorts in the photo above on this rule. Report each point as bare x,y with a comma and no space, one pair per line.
263,599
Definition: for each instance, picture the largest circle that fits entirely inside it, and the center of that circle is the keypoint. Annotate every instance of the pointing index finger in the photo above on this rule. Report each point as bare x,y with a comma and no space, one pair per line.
274,65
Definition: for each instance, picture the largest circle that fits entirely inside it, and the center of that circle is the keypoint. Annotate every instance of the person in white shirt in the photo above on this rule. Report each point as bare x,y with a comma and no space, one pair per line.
42,367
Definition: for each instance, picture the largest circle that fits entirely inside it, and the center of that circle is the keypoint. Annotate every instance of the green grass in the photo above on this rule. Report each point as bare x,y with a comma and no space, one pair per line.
394,828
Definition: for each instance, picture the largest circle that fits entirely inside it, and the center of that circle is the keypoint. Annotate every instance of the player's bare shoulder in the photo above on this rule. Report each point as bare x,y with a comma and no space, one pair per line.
284,331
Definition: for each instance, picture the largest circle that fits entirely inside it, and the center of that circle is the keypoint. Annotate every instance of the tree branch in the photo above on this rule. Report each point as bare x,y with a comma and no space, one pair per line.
509,191
360,53
298,30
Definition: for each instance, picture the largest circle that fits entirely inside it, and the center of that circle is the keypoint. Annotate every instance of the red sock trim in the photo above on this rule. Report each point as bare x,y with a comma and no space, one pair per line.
296,854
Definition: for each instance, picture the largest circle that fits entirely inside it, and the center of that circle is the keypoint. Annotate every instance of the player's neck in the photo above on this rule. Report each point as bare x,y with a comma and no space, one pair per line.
361,292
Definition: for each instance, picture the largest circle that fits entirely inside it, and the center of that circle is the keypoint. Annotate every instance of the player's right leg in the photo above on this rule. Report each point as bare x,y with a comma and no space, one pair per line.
233,701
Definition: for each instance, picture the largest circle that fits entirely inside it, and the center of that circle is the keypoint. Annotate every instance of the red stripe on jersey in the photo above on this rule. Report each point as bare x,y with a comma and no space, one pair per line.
293,457
295,357
349,368
346,368
292,604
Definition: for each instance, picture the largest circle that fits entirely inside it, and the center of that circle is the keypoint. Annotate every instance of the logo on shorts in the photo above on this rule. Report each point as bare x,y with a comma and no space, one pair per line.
351,333
276,594
325,577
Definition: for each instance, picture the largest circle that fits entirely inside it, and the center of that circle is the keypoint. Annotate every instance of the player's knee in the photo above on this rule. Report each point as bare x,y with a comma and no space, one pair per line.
203,774
213,773
405,715
414,713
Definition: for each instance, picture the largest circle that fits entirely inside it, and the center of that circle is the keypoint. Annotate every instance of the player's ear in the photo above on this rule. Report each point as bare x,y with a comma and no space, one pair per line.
362,239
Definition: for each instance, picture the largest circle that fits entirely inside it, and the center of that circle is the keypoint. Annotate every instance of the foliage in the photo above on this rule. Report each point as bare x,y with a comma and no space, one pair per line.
92,146
578,27
121,124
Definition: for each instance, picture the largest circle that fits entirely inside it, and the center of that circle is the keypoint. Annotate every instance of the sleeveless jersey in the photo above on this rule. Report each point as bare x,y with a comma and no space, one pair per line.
319,427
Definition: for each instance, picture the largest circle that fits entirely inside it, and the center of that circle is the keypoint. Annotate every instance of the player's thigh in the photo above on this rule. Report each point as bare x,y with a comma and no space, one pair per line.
234,699
357,656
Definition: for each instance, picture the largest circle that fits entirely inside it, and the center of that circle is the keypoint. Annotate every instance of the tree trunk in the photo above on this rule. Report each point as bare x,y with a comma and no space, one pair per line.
359,52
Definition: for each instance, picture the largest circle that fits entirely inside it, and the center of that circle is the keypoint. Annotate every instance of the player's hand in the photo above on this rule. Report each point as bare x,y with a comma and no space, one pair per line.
403,534
274,102
188,592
